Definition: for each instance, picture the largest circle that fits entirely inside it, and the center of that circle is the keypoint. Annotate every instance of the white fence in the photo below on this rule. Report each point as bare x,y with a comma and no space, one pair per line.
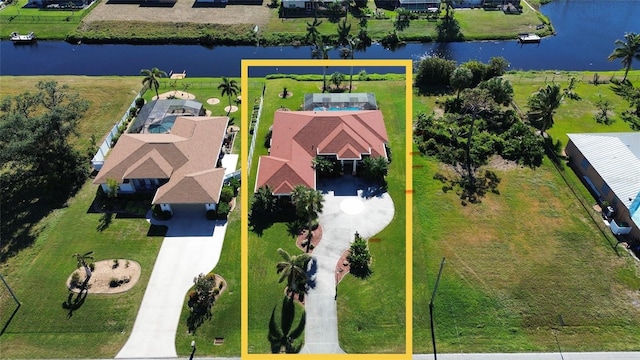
98,159
255,130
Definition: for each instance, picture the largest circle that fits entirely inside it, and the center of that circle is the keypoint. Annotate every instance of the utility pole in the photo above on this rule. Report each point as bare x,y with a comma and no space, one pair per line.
433,297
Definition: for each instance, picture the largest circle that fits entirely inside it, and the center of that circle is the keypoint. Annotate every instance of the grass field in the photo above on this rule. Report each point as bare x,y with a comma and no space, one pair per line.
42,328
527,269
371,313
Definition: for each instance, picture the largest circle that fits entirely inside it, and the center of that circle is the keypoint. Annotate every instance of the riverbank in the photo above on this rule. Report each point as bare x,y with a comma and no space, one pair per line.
183,23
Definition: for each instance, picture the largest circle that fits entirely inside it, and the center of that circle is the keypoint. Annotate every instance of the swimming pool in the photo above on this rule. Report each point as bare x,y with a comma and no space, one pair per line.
634,210
163,126
322,108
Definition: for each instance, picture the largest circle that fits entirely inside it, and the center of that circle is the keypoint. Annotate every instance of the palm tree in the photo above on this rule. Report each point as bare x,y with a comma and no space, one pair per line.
84,260
151,78
344,29
263,200
353,43
308,203
229,88
542,106
312,31
627,51
321,51
294,269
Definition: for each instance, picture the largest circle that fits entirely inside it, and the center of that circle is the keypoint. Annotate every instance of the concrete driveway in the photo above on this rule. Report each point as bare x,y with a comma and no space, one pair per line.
350,205
192,246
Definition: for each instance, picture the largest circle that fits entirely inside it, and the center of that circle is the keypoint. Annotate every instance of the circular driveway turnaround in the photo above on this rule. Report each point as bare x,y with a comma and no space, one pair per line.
350,205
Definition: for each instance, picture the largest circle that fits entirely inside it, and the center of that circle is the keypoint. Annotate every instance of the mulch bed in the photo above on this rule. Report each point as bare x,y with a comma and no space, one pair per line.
341,269
316,236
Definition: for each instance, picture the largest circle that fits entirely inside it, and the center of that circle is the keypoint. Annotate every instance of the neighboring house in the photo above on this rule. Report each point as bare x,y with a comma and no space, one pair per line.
609,165
299,136
183,168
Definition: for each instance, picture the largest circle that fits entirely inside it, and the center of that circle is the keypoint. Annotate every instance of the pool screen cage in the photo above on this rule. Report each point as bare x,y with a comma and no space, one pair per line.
337,101
155,112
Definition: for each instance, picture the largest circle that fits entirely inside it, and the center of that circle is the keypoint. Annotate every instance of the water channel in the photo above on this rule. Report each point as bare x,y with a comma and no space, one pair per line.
586,31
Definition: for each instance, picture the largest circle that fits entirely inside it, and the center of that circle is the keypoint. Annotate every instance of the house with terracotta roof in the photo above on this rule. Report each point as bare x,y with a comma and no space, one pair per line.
300,136
182,168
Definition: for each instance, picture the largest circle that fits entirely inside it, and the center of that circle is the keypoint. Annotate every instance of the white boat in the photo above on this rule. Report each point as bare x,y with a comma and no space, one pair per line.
17,38
528,38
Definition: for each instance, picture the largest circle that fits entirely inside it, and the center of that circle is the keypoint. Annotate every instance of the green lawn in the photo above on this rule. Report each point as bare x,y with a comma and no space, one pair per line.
42,328
527,269
372,312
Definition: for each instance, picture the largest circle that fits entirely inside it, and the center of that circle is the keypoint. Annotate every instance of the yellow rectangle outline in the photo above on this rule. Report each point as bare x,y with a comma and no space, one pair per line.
244,214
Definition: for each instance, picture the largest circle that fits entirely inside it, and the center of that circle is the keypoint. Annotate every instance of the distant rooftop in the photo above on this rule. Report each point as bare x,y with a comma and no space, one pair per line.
616,157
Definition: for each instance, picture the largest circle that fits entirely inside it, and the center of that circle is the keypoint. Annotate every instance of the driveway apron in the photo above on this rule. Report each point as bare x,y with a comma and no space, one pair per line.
350,205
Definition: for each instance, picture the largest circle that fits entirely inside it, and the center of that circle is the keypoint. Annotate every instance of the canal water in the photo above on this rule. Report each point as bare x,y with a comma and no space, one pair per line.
586,31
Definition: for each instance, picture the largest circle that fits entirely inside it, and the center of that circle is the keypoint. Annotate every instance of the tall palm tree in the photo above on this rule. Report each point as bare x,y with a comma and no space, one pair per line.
151,78
308,203
321,51
312,31
627,51
229,88
542,106
344,28
293,268
84,260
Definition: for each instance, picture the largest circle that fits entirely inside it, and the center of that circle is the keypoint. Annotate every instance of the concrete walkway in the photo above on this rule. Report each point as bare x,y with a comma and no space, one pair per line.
192,246
349,206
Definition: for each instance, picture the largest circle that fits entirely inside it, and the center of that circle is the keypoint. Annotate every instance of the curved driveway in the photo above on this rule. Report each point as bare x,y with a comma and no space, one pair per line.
350,205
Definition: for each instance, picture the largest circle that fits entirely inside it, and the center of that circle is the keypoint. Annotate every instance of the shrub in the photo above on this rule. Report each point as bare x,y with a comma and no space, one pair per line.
139,102
223,210
359,258
114,282
226,194
133,111
116,263
235,184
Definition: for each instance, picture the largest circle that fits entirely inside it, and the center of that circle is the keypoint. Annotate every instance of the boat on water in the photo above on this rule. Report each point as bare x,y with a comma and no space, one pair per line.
22,39
528,38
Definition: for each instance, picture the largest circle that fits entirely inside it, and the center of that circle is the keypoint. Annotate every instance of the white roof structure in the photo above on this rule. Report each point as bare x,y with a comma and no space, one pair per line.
616,157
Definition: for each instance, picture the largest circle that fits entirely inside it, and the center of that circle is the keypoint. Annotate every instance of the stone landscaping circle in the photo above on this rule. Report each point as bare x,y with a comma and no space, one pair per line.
213,101
233,108
104,271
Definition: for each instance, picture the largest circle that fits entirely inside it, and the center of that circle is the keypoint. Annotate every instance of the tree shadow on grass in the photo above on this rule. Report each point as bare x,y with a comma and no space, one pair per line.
470,191
75,301
104,222
281,336
259,222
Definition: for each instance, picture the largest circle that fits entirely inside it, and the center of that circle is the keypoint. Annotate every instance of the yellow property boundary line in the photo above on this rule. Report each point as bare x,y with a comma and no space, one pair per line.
244,232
